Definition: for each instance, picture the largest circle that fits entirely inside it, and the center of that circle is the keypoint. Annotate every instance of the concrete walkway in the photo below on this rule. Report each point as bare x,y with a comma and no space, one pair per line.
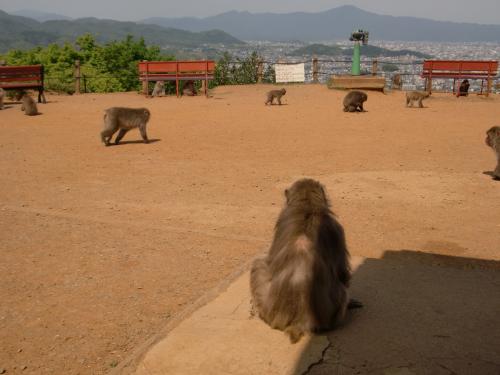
423,314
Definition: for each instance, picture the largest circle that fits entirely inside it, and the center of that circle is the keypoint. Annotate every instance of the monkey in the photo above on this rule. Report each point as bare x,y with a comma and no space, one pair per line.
275,94
29,106
396,81
2,95
124,119
464,88
301,284
354,100
493,140
416,96
159,89
189,89
15,95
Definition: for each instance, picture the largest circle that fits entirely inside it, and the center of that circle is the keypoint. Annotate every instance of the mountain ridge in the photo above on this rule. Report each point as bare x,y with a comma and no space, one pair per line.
333,24
18,32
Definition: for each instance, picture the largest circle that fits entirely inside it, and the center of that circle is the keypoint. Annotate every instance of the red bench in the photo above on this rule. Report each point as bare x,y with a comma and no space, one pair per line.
25,77
152,71
460,69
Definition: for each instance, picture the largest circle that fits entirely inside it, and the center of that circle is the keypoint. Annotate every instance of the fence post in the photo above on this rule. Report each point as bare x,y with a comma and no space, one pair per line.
77,77
374,67
315,69
488,85
260,71
145,82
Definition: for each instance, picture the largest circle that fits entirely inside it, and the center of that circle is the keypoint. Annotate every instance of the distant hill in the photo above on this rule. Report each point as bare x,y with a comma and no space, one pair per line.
366,51
333,24
22,32
40,16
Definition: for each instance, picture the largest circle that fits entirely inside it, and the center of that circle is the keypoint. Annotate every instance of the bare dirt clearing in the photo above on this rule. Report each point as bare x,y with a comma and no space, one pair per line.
102,246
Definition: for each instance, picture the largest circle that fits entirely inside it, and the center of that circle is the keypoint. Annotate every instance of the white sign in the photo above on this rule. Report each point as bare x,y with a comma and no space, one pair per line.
290,72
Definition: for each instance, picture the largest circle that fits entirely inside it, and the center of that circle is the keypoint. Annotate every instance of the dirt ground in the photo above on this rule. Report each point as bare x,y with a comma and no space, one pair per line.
101,247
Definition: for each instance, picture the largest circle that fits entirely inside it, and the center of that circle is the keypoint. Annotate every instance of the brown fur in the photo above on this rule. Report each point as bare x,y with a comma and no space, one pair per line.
396,81
353,101
301,285
189,89
271,95
2,95
159,89
416,96
464,88
29,106
493,140
124,119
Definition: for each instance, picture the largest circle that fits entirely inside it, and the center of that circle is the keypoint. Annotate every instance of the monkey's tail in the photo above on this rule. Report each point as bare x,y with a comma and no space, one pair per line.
294,333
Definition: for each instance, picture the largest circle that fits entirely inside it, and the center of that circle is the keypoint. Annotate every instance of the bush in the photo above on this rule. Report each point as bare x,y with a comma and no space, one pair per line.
104,68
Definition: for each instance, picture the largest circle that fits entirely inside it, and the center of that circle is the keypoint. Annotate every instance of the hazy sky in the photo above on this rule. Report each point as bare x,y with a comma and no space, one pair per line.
480,11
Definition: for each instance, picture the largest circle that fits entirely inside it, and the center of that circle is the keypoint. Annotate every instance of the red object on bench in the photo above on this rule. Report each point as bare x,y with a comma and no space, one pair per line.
24,77
460,69
151,71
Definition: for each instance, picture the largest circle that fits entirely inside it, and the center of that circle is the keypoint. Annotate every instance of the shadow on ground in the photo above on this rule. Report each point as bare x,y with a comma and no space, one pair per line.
134,142
423,314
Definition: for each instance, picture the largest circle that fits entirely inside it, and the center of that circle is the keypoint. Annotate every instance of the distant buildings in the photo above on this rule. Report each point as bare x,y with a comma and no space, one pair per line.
408,66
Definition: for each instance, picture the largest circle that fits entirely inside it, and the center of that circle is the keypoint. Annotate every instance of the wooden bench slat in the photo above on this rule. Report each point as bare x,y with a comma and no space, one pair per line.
20,79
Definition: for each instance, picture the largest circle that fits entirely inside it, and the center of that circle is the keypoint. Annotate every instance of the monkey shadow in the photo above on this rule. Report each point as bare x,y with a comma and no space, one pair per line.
136,141
490,173
423,314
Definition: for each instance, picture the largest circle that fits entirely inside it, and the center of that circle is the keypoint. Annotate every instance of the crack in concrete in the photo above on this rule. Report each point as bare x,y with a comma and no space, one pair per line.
321,360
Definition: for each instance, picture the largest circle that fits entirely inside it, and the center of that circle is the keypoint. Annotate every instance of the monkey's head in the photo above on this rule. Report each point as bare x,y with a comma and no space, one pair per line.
283,91
307,191
493,137
363,97
146,113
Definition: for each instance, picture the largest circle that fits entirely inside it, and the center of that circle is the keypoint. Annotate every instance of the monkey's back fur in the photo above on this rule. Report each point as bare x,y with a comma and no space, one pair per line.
301,285
354,100
29,106
493,140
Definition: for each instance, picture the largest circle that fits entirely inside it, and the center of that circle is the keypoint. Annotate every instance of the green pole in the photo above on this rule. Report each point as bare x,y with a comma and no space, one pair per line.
356,60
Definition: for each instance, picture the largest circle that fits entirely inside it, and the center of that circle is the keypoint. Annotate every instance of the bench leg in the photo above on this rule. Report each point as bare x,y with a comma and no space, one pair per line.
41,97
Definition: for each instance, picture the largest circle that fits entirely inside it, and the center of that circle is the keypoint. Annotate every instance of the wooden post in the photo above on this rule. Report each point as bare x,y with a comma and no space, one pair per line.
145,82
206,79
77,77
260,71
374,67
315,69
488,85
